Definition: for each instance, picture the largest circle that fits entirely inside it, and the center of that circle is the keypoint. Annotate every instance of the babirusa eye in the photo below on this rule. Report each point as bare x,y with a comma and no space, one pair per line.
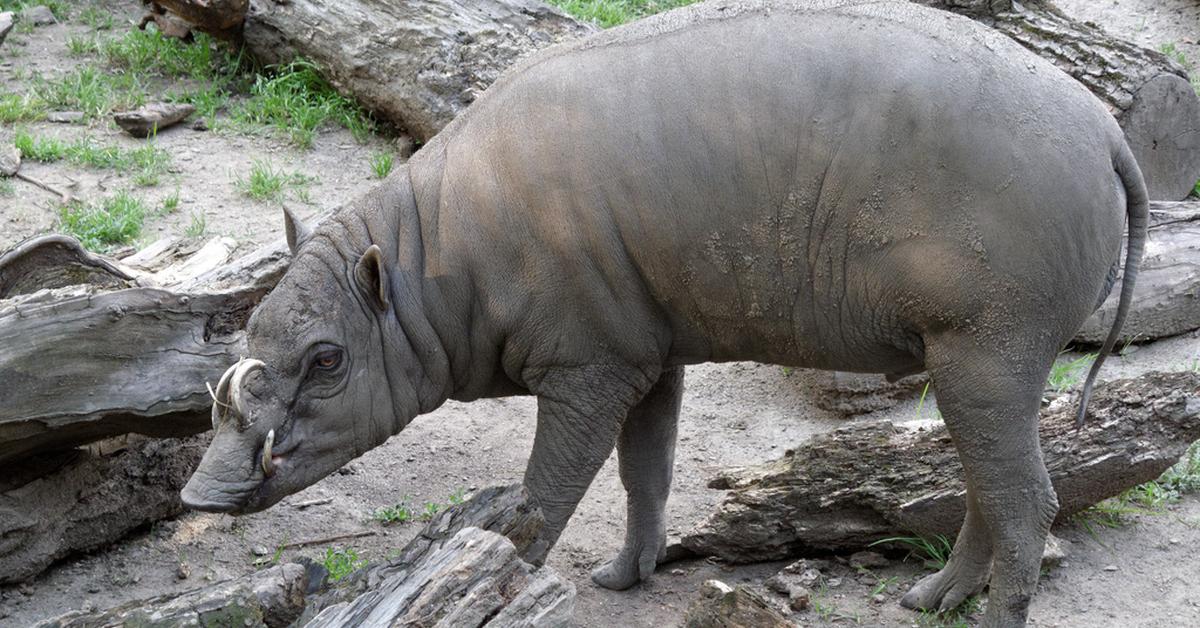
327,360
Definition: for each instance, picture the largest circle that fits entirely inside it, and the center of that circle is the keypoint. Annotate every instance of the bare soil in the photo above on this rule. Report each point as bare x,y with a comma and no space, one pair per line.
1143,573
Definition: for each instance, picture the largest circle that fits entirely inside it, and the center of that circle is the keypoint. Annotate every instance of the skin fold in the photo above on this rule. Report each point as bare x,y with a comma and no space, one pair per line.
861,186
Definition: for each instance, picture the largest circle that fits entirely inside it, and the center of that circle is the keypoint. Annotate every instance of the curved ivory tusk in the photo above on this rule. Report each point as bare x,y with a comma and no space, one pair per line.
268,466
221,396
243,368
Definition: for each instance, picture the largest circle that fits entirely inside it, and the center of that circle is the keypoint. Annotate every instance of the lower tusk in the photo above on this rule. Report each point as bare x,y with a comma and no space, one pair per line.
268,466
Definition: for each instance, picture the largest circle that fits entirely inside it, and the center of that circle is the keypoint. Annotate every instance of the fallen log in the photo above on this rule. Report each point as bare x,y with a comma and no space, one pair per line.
82,363
463,569
1166,299
75,501
857,485
271,597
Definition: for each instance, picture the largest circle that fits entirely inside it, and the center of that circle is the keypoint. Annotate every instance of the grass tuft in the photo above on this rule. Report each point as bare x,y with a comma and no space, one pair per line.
296,101
1065,375
933,551
148,162
607,13
381,164
116,220
265,183
197,227
21,108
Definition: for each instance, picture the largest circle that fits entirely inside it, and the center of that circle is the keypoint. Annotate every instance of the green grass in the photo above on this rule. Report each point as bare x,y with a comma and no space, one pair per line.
115,220
265,183
81,46
148,162
403,513
933,551
21,108
1149,498
97,19
608,13
296,101
341,562
90,90
1173,51
962,616
381,164
197,227
171,202
1066,374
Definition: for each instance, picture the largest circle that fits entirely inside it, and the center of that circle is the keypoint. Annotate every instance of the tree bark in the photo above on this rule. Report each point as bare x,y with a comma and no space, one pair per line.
80,363
1166,298
849,488
463,569
74,501
417,64
271,597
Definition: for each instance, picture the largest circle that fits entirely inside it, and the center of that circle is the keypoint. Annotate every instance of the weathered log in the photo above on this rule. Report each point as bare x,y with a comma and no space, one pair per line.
222,18
476,578
151,118
1166,298
73,501
849,488
80,364
463,569
723,606
506,511
271,597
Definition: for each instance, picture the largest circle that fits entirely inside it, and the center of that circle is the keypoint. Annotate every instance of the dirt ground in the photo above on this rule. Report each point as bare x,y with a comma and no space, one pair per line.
1143,573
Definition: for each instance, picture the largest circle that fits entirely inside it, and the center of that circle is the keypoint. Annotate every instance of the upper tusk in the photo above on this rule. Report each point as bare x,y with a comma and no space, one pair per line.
221,407
268,465
241,369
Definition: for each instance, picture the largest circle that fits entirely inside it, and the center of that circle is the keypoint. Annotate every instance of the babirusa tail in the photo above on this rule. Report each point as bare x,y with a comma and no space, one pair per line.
1137,207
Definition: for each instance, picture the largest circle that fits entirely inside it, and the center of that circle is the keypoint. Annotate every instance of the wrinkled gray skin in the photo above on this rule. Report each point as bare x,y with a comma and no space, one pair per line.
877,187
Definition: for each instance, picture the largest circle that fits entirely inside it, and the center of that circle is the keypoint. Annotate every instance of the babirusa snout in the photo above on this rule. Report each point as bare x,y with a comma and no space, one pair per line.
227,398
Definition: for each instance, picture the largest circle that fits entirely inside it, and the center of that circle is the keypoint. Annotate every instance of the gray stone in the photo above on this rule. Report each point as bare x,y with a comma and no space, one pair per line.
6,24
10,160
65,117
41,15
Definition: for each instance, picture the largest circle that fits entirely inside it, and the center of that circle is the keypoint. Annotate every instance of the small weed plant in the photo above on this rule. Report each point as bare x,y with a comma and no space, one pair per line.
404,513
1149,498
115,220
400,513
341,562
197,227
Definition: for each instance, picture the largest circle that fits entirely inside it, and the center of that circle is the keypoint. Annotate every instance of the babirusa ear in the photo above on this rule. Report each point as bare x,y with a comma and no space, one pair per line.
297,232
372,277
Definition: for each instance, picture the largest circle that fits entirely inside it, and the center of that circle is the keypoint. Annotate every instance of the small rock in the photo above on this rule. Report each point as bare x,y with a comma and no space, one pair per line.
722,606
6,24
1055,553
714,588
1110,568
778,584
868,560
678,572
833,583
183,571
1174,540
200,124
10,160
64,117
40,15
93,587
878,598
799,598
259,550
